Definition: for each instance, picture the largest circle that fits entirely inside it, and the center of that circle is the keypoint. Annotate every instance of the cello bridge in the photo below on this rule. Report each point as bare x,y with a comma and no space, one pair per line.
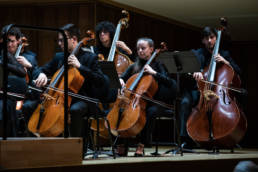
208,95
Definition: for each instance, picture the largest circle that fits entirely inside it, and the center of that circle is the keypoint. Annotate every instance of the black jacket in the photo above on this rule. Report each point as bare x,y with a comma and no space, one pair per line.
94,81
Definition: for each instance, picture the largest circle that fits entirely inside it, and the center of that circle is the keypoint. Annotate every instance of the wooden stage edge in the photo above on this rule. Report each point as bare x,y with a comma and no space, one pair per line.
59,154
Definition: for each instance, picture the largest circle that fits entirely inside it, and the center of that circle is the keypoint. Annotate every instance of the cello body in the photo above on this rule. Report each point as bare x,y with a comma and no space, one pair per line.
48,118
126,118
217,122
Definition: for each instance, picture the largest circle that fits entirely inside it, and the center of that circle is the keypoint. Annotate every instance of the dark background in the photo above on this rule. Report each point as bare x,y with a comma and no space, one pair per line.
178,36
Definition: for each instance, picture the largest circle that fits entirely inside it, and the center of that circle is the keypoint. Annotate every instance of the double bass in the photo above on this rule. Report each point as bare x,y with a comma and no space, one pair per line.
48,118
122,62
217,121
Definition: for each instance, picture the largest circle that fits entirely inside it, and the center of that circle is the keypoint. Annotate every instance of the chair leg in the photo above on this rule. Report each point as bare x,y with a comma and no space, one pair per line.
156,153
110,138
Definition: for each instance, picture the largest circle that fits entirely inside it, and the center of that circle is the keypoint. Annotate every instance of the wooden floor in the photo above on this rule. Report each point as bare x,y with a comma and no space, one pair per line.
199,154
203,160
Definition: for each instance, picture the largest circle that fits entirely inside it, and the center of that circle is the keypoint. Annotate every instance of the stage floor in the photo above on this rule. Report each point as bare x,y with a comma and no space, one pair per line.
200,154
201,161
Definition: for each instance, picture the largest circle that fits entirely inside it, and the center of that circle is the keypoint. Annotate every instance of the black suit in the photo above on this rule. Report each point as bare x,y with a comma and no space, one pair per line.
16,84
93,86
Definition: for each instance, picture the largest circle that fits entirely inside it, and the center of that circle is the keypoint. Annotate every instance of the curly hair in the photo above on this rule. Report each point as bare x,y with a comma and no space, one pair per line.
107,27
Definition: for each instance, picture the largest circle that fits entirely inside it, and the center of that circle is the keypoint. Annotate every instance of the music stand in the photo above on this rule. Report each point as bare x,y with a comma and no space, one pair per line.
109,69
179,63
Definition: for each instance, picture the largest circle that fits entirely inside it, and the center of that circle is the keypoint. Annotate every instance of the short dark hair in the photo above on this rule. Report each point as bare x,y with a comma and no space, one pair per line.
72,30
14,31
107,27
207,31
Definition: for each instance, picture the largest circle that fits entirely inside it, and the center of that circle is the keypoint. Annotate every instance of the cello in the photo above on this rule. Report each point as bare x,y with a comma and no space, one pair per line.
127,118
48,118
217,121
22,44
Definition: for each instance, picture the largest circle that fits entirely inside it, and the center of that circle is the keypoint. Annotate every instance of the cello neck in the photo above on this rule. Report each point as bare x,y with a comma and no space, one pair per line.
113,46
17,53
136,81
212,67
123,23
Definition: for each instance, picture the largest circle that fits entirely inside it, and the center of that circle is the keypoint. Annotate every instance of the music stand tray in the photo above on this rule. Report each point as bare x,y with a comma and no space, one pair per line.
180,61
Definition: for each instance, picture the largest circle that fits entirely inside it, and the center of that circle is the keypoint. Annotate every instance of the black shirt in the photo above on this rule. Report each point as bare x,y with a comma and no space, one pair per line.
204,57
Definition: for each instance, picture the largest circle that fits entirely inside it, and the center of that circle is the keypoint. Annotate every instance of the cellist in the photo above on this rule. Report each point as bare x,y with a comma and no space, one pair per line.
166,86
190,95
87,65
16,81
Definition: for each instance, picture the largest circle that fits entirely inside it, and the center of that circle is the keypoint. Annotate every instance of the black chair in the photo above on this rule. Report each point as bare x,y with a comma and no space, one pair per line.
170,115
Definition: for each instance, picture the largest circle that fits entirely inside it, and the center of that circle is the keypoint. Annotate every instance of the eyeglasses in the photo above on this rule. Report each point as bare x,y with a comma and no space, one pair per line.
62,40
11,40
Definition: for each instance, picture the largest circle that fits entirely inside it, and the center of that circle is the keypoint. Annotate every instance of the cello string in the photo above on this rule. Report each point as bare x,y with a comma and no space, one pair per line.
152,100
69,93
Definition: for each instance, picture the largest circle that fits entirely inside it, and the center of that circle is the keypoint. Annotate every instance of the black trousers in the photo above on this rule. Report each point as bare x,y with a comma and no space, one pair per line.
189,100
11,118
78,111
151,112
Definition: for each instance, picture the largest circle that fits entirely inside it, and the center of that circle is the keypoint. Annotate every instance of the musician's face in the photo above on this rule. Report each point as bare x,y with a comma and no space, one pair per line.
104,38
209,42
61,42
144,50
12,44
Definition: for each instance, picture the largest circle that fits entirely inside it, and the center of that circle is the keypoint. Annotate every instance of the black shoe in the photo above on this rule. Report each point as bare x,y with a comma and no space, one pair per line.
121,150
187,143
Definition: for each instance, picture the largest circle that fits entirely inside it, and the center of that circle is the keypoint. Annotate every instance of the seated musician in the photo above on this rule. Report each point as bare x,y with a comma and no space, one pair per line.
28,60
190,93
105,31
16,81
166,86
87,65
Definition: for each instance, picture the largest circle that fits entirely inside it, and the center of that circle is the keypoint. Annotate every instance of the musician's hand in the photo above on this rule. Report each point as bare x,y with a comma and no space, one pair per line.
123,46
41,80
136,100
72,60
24,62
149,70
122,82
219,58
197,76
